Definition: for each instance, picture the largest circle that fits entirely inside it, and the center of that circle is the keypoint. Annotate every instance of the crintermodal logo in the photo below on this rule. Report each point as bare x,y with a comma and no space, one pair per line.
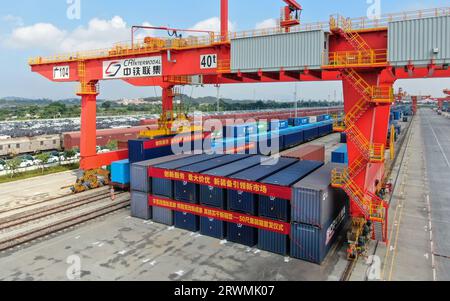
113,69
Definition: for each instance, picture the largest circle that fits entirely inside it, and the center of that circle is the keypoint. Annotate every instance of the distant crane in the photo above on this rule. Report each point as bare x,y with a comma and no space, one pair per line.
290,15
442,100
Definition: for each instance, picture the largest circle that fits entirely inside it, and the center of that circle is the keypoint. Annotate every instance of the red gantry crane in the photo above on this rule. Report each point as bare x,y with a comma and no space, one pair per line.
441,101
402,96
355,51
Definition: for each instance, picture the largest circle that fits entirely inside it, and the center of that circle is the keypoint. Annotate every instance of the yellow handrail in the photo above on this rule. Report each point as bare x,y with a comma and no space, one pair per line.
347,59
150,45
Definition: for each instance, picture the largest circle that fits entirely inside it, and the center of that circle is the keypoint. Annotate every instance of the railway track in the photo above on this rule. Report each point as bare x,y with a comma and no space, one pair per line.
48,200
28,226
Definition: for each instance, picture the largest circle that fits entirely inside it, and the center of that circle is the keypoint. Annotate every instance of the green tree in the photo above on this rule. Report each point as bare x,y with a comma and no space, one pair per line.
69,153
112,145
43,158
107,105
13,165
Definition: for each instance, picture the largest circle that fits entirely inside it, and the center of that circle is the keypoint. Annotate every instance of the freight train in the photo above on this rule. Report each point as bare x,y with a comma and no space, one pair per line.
67,141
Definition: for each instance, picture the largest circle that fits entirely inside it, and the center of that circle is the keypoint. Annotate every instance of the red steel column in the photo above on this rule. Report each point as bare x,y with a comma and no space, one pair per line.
414,104
373,124
167,100
88,140
224,19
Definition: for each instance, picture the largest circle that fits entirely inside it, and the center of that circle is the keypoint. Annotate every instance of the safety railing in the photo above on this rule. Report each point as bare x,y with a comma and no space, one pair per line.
377,209
346,59
357,166
377,152
144,46
178,79
88,89
383,95
338,21
224,66
158,44
339,178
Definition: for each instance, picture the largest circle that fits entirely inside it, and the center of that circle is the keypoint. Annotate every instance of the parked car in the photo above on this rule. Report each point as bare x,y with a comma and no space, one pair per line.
53,159
26,163
103,151
2,167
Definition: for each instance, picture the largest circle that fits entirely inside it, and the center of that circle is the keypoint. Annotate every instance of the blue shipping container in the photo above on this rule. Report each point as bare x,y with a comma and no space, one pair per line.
241,234
247,202
163,216
213,227
278,125
139,206
340,155
137,153
240,130
315,202
280,209
311,133
293,139
312,243
120,172
139,179
273,242
325,130
164,187
343,138
188,192
216,197
298,121
270,142
187,221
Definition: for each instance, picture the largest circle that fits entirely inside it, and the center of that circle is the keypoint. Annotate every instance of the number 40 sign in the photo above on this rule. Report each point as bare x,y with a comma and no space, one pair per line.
208,61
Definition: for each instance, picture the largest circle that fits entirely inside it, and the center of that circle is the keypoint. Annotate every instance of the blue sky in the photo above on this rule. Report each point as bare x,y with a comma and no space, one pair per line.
31,27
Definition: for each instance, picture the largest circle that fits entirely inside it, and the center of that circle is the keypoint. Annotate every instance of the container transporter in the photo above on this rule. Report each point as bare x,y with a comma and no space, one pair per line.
367,55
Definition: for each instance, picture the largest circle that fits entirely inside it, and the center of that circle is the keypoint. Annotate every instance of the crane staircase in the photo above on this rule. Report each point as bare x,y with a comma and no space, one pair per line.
371,206
85,87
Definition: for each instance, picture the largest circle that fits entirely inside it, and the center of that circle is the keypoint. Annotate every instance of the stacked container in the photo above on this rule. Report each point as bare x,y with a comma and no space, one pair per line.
340,155
280,209
308,152
120,172
189,192
316,211
319,212
247,203
141,186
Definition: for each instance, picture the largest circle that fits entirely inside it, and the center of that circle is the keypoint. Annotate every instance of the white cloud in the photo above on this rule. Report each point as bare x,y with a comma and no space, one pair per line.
269,23
212,24
14,20
39,35
98,34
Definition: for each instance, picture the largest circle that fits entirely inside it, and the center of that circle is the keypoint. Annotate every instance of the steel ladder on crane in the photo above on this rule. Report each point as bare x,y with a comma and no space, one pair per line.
372,207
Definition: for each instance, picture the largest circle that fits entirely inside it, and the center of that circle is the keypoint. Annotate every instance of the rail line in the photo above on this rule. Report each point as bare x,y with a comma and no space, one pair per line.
42,202
36,224
42,212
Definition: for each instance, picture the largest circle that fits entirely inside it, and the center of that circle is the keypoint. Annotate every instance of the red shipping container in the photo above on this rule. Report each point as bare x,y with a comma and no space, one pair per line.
307,153
148,122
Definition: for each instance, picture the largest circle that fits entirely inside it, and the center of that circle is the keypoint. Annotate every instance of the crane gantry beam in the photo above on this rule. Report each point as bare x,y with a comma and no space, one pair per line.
357,56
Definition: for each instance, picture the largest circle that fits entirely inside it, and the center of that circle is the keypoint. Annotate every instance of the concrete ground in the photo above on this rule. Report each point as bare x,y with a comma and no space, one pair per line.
33,190
118,247
419,231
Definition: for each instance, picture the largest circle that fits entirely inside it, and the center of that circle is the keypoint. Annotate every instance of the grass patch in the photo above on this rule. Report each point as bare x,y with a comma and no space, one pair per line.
38,173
